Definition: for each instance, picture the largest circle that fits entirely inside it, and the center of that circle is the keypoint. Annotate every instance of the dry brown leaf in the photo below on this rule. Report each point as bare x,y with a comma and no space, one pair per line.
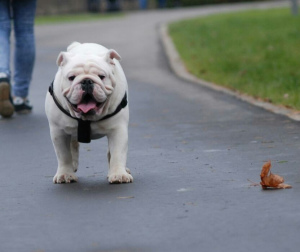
265,169
271,180
283,186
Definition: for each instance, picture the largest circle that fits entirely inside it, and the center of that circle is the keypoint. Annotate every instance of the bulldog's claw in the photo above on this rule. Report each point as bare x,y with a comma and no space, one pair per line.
65,178
118,178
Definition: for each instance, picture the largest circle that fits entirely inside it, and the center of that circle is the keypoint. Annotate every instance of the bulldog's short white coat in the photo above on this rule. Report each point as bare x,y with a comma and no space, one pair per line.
78,67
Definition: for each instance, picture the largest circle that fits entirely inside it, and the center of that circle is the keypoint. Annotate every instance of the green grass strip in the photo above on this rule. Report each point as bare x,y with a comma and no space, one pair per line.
255,52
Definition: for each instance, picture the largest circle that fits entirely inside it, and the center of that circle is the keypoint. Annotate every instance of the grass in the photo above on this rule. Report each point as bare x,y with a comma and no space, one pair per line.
255,52
56,19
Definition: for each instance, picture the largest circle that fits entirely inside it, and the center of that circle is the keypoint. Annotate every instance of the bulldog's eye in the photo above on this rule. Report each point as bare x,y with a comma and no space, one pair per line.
101,77
71,78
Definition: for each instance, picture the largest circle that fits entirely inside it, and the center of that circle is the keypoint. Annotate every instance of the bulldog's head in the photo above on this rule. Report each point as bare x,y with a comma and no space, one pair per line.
87,81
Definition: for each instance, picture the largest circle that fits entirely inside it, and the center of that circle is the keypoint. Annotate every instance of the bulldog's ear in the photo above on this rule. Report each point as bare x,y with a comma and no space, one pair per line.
112,54
73,45
61,59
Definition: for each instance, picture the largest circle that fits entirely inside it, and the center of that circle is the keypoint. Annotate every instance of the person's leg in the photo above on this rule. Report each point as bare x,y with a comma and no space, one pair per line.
6,107
5,30
24,57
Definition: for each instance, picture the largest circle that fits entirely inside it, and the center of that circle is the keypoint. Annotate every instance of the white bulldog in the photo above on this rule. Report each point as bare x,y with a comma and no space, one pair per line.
88,100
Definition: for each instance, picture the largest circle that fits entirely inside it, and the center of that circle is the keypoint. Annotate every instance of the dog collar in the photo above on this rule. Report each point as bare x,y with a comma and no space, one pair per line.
84,126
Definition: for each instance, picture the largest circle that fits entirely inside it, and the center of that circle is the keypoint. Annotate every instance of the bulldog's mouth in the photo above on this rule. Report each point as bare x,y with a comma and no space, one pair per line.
88,105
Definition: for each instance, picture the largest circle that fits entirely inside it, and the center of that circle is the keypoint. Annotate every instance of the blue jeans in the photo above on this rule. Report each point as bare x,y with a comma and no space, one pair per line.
18,14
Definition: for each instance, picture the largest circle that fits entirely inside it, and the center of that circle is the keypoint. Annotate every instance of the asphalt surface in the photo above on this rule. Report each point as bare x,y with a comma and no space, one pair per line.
193,154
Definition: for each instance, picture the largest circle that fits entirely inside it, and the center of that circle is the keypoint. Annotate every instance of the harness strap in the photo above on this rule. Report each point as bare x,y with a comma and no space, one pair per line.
51,91
84,126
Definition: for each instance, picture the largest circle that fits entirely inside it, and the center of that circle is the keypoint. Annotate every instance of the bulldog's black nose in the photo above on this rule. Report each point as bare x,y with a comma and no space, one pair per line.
87,85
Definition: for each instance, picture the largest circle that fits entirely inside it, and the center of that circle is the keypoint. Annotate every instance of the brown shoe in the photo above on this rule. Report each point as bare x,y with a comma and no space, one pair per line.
6,107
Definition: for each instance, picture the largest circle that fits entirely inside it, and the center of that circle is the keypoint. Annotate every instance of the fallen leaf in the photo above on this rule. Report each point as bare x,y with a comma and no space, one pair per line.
282,162
270,180
283,186
265,169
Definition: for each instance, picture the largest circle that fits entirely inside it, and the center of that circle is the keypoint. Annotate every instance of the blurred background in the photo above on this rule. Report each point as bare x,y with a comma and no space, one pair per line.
46,7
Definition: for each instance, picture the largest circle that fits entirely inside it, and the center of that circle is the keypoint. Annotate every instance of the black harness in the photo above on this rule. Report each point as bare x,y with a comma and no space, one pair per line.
84,126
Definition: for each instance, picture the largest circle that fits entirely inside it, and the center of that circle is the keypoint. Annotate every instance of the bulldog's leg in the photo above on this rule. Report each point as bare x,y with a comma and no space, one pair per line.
117,157
65,171
108,158
75,153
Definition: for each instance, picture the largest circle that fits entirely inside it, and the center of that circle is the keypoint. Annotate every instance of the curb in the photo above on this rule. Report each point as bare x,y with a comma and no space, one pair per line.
179,69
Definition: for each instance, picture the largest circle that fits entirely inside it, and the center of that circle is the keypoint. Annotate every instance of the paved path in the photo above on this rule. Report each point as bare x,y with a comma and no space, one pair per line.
192,152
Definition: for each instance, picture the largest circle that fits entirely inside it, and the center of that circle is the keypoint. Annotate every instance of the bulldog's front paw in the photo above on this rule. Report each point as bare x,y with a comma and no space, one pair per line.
64,178
120,177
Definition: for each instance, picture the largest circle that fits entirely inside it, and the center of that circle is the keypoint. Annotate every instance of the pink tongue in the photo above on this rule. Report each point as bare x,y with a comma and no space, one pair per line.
86,107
